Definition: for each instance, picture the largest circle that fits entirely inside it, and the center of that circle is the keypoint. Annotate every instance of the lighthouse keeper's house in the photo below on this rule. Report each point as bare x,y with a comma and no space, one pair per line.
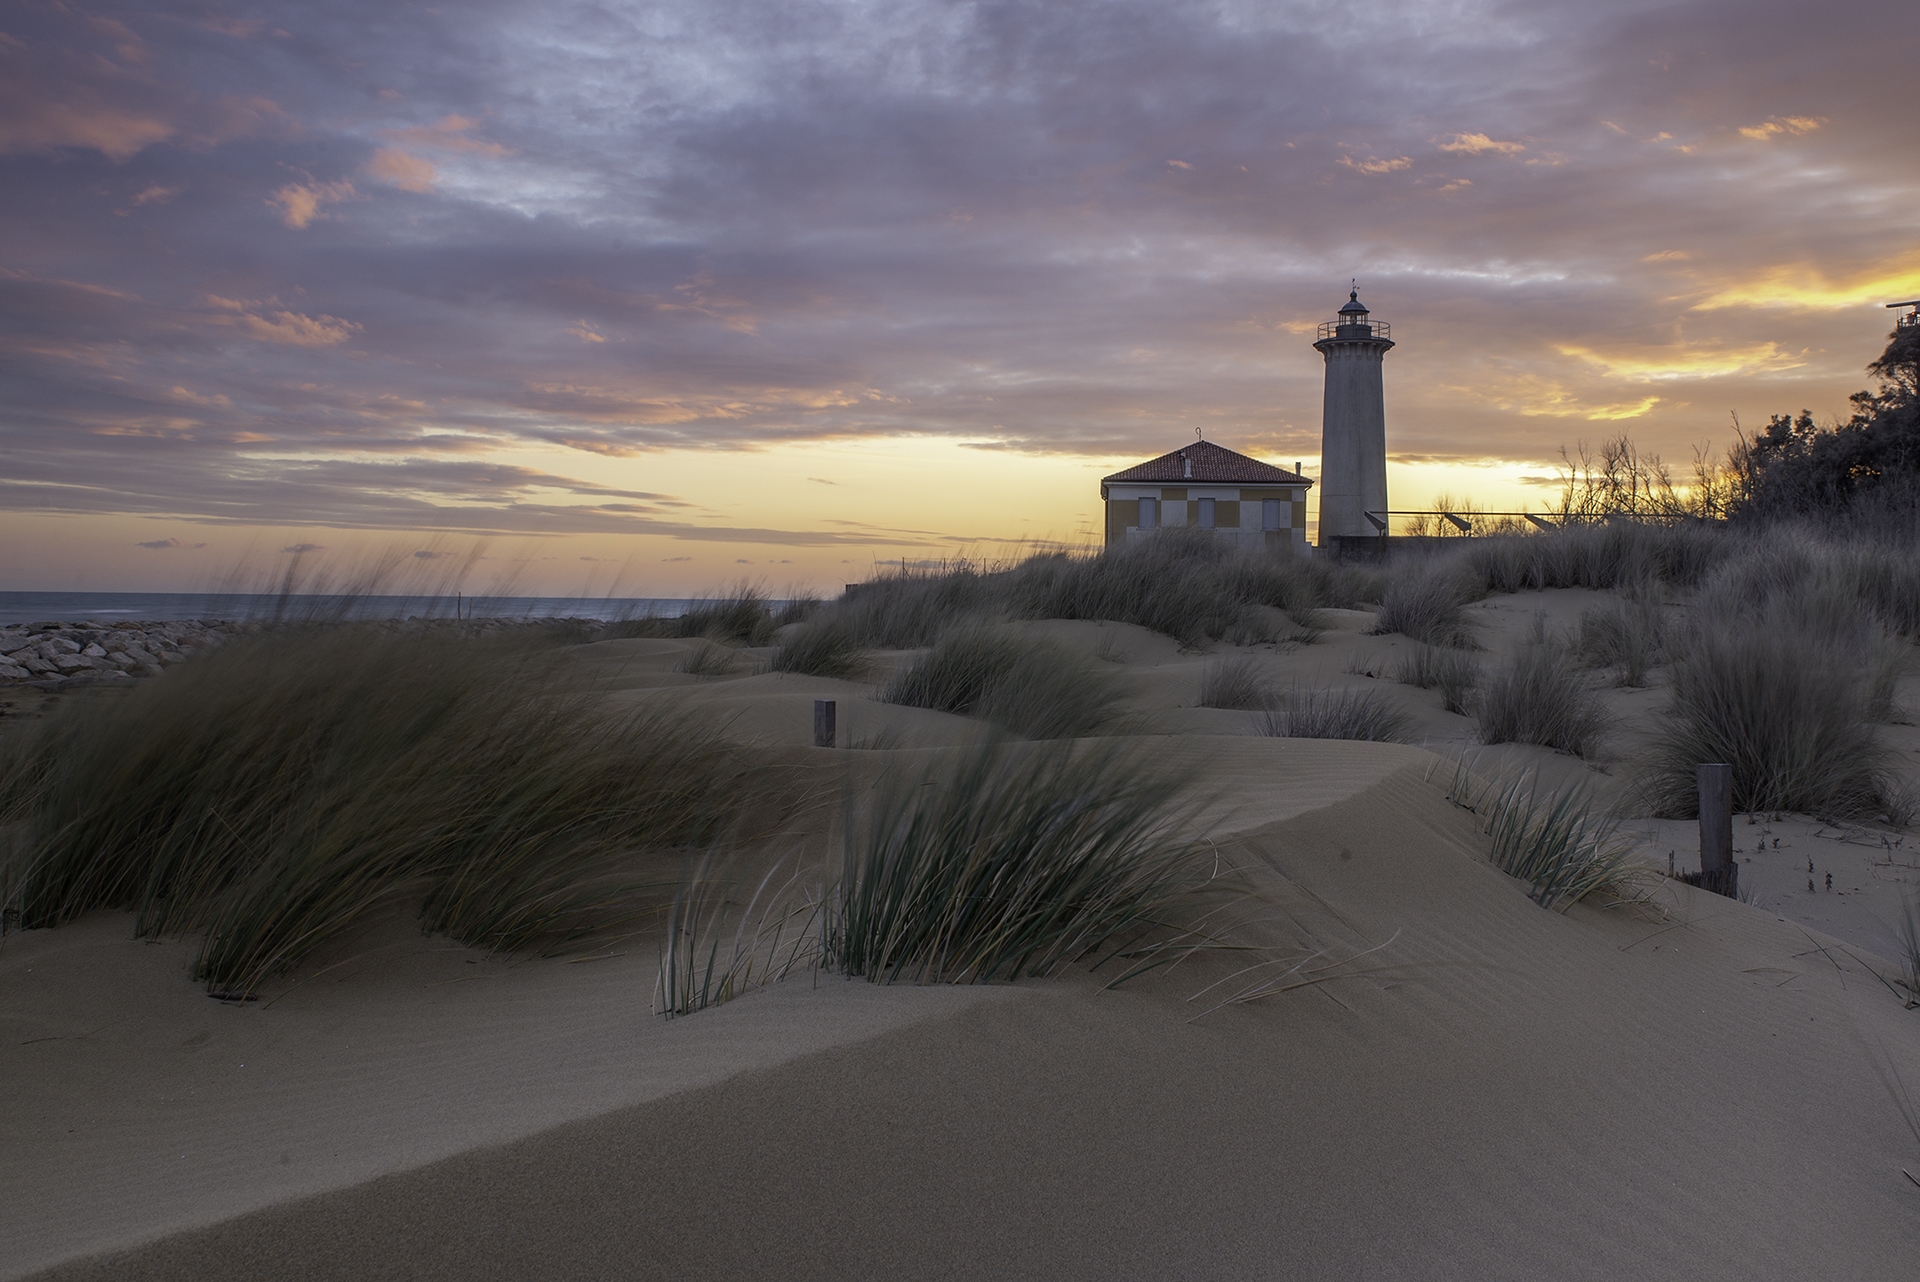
1208,487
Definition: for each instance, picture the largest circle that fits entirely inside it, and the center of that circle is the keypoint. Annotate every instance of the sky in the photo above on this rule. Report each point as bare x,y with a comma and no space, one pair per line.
653,298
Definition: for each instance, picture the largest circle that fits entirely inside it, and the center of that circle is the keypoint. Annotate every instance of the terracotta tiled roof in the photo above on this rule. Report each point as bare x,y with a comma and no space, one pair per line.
1211,464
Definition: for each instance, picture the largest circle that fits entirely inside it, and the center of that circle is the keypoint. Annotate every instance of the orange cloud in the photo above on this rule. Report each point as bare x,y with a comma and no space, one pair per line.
1480,144
288,329
1795,125
1662,364
117,134
408,173
1372,165
299,203
584,332
449,134
1804,287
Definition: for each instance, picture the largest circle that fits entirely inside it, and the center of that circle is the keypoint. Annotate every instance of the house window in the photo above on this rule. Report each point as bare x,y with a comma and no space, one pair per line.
1149,513
1206,514
1270,514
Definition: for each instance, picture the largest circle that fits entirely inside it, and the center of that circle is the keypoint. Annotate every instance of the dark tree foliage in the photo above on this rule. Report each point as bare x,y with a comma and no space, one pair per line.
1797,469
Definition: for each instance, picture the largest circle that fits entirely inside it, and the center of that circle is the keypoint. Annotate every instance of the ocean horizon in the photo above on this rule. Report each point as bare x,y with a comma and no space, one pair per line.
112,607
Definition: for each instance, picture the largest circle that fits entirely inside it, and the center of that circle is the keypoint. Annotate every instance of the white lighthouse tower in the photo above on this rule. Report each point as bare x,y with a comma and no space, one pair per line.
1353,426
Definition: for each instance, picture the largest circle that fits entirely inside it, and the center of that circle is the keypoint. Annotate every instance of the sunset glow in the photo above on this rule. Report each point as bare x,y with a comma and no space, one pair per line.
675,295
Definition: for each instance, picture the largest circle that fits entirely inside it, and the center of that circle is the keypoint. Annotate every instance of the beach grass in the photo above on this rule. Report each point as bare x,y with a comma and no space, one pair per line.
1542,696
1788,714
273,795
825,646
1561,842
707,660
1018,860
1237,682
1307,713
1028,685
1428,606
1625,634
1454,673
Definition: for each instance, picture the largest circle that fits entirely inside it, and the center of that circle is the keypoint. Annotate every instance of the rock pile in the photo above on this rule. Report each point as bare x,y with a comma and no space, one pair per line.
54,655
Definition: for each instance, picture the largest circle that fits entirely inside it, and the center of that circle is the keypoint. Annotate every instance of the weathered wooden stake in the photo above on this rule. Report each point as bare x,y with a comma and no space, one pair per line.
823,727
1717,870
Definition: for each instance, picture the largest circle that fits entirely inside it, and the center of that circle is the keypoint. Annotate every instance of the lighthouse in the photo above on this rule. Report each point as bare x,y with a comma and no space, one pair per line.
1353,426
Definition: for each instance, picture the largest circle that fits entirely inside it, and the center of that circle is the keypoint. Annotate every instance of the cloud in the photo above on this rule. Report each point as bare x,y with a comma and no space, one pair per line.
408,173
821,480
299,203
898,252
450,133
277,325
431,556
1789,125
1682,362
1374,165
668,560
1807,286
1480,145
301,549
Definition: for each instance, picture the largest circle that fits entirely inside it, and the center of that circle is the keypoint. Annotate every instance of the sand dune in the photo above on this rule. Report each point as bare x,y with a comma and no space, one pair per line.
1702,1089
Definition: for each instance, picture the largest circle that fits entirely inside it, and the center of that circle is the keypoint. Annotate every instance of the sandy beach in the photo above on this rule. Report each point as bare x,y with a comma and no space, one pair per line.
1688,1088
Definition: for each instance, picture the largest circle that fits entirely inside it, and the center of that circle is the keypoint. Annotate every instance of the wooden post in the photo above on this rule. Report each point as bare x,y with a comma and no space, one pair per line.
1717,870
823,727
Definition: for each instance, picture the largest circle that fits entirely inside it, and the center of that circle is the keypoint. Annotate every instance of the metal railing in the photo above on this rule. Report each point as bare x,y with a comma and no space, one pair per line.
1462,521
1356,329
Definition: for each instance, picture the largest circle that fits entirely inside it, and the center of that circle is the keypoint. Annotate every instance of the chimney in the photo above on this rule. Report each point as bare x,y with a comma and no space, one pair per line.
1296,468
1186,466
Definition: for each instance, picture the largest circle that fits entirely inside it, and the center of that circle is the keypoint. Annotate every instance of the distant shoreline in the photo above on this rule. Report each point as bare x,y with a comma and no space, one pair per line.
75,609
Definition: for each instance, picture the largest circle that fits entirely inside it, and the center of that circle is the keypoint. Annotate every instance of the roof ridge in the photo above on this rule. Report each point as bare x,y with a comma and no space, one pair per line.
1206,462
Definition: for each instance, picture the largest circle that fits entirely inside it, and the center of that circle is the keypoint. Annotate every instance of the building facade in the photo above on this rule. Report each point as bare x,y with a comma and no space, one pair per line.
1206,486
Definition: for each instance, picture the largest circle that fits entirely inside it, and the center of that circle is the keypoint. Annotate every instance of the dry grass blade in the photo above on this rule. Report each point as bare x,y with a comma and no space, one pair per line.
703,963
1300,973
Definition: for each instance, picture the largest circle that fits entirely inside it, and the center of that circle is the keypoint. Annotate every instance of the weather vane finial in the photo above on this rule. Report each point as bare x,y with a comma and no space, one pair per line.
1199,434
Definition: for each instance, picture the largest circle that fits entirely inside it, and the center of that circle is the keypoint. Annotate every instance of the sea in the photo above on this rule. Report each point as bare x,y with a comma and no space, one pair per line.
107,607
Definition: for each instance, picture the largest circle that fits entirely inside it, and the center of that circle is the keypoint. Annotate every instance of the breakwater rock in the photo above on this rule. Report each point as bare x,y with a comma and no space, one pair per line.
53,656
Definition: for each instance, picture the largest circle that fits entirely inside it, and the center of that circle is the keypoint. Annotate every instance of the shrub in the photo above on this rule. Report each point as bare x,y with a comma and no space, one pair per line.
1236,682
1542,696
1336,714
1427,607
1785,711
1017,863
1624,634
825,647
1452,672
1030,686
1601,557
706,660
272,794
